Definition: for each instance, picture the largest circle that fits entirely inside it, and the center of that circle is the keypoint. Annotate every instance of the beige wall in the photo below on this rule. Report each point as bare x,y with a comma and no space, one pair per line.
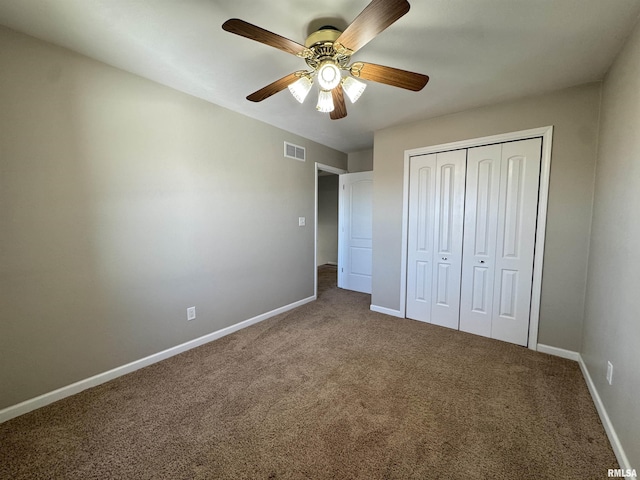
612,316
327,219
574,115
122,203
360,161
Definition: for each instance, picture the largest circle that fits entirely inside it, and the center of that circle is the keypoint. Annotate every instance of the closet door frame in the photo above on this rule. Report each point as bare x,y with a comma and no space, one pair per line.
546,133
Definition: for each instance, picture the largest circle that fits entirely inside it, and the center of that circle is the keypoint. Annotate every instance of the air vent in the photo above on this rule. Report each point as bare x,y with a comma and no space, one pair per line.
294,151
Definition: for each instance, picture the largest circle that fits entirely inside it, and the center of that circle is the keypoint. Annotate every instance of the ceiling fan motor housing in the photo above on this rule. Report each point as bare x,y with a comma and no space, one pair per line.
320,43
326,34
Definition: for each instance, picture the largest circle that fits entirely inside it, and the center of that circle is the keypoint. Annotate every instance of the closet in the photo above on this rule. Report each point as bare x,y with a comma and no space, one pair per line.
471,238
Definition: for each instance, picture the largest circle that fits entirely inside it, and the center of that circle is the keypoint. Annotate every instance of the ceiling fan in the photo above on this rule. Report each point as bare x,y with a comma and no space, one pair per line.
328,53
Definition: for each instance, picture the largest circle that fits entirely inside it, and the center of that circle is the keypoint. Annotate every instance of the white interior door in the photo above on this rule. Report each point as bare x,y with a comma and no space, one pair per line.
499,239
355,231
436,211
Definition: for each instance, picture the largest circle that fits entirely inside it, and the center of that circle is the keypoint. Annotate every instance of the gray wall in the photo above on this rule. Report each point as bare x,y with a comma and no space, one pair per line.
327,219
574,114
360,161
612,316
122,203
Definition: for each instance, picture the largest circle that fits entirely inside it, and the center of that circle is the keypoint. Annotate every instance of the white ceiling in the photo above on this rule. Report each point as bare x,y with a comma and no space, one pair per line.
476,52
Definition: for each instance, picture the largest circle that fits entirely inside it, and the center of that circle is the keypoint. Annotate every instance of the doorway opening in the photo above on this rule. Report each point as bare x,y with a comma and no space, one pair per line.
326,227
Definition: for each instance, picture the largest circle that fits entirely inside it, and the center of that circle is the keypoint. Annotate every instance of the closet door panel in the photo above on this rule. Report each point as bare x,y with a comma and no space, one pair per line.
448,224
480,233
520,172
422,178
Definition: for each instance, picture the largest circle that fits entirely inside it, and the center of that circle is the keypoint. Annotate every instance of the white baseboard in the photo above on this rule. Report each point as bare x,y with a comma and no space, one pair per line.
558,352
604,417
386,311
50,397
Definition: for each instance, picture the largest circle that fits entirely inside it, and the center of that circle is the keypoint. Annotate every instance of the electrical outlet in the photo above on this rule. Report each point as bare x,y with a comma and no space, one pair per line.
302,221
610,373
191,313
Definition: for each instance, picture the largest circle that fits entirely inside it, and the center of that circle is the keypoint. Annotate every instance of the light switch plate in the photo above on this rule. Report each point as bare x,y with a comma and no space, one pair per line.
191,313
302,221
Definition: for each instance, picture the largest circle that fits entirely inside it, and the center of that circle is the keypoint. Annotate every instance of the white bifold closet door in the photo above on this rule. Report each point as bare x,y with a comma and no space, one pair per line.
499,239
434,255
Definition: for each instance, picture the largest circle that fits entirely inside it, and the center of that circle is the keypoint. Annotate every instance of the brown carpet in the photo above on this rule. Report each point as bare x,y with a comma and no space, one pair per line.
330,390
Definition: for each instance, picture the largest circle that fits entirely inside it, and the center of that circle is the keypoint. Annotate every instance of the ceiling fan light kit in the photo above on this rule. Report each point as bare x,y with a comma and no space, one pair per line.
301,87
353,88
325,101
328,52
328,75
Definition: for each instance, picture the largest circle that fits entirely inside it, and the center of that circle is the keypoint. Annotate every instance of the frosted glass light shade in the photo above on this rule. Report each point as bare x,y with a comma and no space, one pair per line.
300,88
325,102
329,75
353,88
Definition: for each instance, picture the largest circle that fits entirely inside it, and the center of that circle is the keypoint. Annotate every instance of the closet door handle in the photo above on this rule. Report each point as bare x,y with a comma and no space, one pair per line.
444,258
481,261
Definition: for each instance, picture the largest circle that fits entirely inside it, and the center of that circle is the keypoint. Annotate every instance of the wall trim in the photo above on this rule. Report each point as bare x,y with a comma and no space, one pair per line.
558,352
621,456
63,392
386,311
546,133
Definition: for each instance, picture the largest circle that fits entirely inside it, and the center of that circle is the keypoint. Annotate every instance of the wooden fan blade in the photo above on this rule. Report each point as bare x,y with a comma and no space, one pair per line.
248,30
273,88
339,107
390,76
376,16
